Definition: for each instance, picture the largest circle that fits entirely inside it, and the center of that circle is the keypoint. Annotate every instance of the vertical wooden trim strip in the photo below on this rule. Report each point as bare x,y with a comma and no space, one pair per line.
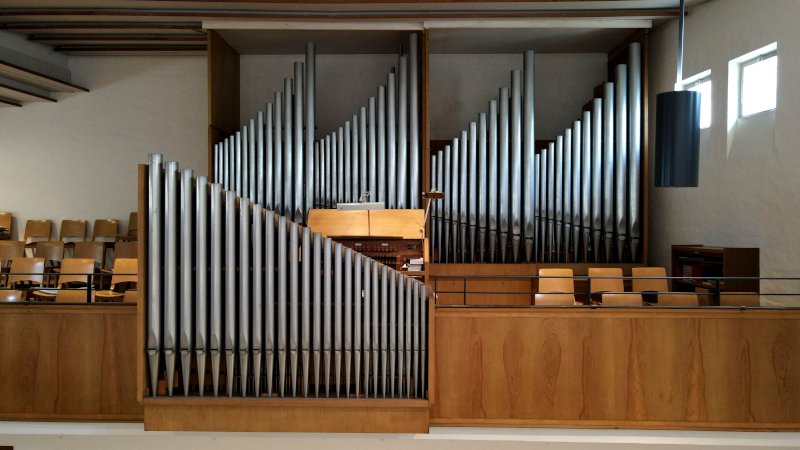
141,243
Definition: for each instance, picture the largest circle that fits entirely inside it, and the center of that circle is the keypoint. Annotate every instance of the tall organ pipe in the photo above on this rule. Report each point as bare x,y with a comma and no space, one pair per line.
608,168
413,121
635,145
516,163
528,154
621,157
503,150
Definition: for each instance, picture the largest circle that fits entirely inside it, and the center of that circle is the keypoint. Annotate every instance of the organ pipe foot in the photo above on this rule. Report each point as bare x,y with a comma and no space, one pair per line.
229,363
304,358
634,249
576,248
270,370
293,368
621,248
586,244
243,372
347,359
169,359
357,378
596,246
153,360
515,246
472,233
256,372
481,245
503,246
327,356
215,371
464,243
337,366
529,250
366,374
607,241
282,373
316,373
383,375
492,257
201,372
186,369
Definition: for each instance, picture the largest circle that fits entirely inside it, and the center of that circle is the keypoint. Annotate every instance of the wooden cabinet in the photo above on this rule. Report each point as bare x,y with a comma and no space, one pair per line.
693,261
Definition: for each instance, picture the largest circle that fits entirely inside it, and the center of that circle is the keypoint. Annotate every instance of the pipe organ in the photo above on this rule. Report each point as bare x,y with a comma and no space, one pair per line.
242,298
276,160
577,200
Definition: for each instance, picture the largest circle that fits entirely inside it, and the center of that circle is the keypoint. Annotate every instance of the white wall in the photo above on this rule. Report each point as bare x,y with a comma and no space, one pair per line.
748,194
77,158
460,86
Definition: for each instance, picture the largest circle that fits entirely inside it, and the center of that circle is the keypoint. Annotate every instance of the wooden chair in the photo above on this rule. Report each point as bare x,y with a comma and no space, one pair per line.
90,249
52,252
10,295
26,272
133,226
125,271
626,299
649,285
73,271
5,224
8,251
37,230
678,299
598,285
105,230
127,249
555,291
751,299
72,230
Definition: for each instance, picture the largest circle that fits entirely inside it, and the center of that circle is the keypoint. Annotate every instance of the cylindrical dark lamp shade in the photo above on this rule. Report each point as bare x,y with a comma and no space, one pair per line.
677,139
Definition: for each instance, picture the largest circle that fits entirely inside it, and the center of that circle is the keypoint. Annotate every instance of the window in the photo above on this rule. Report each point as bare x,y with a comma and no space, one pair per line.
701,83
758,84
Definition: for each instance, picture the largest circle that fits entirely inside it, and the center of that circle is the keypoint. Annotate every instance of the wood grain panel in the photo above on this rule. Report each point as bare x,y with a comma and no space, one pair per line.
286,415
645,368
68,362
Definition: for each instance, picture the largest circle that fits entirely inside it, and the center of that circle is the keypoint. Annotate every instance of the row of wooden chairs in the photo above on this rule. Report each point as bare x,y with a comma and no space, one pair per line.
105,230
557,287
53,252
72,281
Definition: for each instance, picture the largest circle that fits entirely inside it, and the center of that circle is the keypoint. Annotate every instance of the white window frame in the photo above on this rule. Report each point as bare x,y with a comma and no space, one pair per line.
742,66
700,78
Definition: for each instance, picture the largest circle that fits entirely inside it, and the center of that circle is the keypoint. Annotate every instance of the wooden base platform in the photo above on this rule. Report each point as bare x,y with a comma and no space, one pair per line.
286,415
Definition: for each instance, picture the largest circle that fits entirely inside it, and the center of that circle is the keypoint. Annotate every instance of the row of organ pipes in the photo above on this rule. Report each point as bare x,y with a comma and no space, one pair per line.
241,297
577,200
276,161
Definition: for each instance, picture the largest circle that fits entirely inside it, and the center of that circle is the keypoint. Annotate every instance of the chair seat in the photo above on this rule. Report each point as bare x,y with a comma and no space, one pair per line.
10,295
108,296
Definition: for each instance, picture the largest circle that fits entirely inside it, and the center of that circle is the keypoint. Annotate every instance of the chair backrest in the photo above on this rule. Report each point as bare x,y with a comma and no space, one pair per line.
90,249
50,250
72,230
678,299
626,299
38,229
105,230
126,249
133,223
26,269
125,270
10,295
556,285
11,249
649,285
739,299
553,299
74,270
5,220
605,284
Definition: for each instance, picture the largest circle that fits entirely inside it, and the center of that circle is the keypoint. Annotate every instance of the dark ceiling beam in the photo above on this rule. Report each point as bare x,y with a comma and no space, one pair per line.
117,37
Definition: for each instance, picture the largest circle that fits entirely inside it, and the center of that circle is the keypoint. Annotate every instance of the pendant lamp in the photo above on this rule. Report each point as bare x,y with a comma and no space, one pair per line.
677,155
